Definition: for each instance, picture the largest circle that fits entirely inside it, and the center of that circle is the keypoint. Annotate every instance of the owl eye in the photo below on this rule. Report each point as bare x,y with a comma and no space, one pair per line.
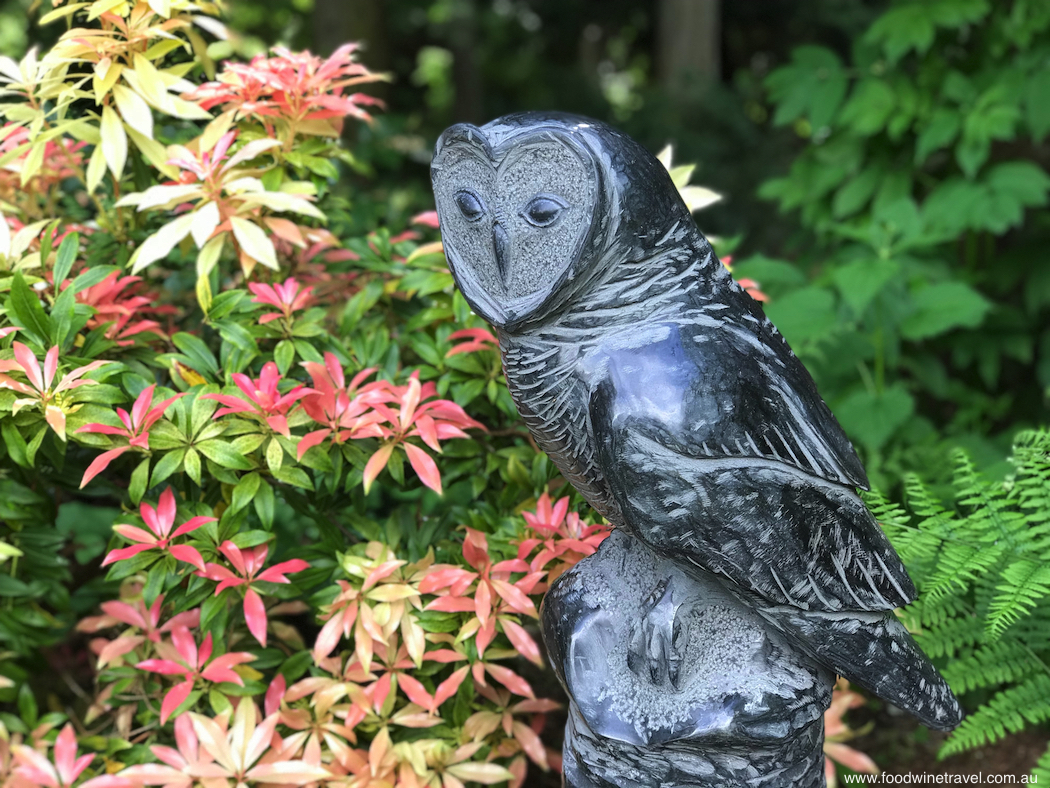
544,210
470,205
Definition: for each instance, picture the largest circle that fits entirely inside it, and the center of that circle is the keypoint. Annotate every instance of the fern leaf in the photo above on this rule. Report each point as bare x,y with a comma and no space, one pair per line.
990,666
1010,711
1041,772
1024,584
952,637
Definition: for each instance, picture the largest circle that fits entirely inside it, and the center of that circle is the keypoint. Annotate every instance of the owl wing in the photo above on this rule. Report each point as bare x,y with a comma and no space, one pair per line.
718,450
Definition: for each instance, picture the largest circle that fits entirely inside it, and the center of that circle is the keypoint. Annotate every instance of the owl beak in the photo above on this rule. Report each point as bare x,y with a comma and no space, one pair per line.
501,243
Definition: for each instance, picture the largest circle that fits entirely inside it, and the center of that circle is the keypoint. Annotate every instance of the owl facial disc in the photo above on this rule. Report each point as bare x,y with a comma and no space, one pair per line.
514,215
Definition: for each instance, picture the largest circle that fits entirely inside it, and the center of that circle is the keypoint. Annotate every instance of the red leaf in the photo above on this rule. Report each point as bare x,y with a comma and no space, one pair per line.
183,552
175,697
124,552
220,668
100,463
522,641
416,692
449,686
511,680
375,463
255,615
425,467
309,440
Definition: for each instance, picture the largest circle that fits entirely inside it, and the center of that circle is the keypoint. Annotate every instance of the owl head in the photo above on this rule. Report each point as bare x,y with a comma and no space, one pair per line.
533,206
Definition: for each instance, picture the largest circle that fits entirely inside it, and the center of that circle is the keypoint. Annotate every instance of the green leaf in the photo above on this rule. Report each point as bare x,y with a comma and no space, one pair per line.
219,703
225,303
246,444
768,271
869,107
274,456
167,465
806,315
27,708
192,465
64,258
942,307
34,444
16,444
939,131
203,360
284,355
1022,181
222,453
1037,105
251,538
294,476
861,281
91,277
237,335
856,192
812,85
264,504
872,418
245,491
139,477
24,309
210,608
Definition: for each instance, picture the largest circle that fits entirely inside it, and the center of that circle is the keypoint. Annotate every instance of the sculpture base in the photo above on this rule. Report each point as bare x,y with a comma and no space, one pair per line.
591,761
674,682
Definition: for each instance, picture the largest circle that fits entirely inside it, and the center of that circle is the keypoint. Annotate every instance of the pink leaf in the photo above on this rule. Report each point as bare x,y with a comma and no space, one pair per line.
277,572
309,440
425,467
66,753
192,525
175,698
328,638
274,694
100,463
255,615
522,641
416,692
375,464
511,680
183,552
125,552
163,666
449,686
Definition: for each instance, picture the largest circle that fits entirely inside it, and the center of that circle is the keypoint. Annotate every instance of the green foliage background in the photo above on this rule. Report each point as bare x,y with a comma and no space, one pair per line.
885,168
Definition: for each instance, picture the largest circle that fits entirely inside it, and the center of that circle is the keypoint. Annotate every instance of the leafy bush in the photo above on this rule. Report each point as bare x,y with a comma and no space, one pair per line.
984,588
921,306
227,426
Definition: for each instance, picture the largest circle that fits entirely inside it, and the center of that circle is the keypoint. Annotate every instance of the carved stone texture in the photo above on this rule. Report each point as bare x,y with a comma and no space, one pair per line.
675,682
661,391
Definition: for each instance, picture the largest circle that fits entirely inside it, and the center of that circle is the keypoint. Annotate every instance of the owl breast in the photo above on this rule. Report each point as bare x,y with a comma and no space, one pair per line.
552,400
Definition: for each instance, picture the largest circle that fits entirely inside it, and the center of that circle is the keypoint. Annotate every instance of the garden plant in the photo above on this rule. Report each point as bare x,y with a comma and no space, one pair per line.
231,422
268,515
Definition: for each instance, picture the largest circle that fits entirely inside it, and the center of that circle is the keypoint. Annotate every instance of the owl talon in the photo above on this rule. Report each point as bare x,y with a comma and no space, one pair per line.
658,641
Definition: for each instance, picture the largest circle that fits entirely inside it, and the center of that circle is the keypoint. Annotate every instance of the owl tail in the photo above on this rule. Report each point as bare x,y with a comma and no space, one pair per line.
875,651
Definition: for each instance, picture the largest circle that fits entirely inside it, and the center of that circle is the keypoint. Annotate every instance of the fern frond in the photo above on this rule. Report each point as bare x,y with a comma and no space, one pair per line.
1024,584
961,564
951,637
990,666
1041,772
920,499
1010,711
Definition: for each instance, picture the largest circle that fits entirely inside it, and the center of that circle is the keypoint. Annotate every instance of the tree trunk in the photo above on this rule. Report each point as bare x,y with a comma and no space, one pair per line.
688,43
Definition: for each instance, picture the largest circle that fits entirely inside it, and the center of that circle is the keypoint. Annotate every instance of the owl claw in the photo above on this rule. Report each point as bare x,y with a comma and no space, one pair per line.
657,644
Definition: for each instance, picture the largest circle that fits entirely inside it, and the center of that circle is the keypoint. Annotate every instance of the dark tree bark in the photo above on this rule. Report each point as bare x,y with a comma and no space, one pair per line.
336,22
688,43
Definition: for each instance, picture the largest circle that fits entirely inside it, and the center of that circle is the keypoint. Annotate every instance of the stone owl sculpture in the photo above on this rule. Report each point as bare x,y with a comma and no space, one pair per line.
661,391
